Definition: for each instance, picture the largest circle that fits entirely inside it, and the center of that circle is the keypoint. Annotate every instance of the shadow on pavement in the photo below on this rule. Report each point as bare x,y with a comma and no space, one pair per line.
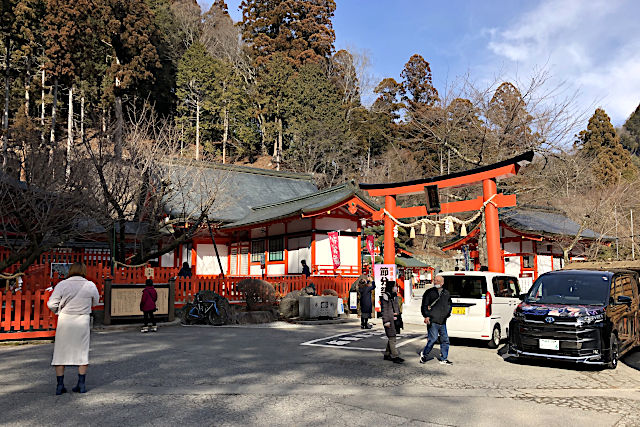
632,359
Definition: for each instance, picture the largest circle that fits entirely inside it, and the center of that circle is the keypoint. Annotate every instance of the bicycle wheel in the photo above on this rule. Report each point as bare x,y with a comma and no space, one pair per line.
219,318
185,314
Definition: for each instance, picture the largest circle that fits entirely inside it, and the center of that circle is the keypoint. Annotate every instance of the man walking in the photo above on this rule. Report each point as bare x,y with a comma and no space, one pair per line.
436,309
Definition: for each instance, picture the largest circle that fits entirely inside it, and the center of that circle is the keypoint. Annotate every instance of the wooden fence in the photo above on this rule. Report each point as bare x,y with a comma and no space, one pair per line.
26,315
186,288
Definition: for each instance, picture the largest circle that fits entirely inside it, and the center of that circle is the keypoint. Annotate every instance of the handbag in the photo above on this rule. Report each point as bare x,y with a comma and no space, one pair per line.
398,323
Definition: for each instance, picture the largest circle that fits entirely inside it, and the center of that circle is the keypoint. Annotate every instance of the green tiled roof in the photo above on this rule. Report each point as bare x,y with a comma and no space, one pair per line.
236,189
303,204
545,222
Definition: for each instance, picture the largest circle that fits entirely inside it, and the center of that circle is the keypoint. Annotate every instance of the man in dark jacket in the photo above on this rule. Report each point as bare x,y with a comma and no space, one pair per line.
436,309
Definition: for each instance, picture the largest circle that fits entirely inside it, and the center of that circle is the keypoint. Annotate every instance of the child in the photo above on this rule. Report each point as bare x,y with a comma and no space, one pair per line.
148,306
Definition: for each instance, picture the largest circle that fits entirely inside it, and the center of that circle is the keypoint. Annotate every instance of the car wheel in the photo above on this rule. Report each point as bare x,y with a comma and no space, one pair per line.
613,352
494,342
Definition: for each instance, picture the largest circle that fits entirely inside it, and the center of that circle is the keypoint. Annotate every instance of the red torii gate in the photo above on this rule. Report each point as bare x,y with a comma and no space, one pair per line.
488,175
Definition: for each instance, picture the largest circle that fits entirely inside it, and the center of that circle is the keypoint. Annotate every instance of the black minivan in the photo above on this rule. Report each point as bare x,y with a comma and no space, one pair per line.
587,316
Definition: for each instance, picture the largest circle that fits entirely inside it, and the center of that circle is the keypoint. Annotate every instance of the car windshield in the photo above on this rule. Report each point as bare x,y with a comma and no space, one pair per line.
583,289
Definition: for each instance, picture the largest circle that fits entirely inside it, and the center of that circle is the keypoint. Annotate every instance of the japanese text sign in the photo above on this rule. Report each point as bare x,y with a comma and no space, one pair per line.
334,243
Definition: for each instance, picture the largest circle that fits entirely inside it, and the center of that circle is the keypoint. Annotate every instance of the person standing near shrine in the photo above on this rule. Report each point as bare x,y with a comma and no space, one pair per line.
185,271
390,313
366,305
72,300
305,269
436,309
148,306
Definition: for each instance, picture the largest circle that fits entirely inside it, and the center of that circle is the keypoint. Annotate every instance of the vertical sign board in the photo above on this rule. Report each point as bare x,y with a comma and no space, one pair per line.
383,273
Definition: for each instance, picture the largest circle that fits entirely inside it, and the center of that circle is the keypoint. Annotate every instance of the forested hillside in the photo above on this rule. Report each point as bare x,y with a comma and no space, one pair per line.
98,93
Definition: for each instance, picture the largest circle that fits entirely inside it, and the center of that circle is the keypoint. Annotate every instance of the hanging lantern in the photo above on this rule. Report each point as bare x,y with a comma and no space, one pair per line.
412,233
463,230
423,228
437,232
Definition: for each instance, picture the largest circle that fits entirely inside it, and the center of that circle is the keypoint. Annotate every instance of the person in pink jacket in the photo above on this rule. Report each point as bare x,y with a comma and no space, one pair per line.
148,306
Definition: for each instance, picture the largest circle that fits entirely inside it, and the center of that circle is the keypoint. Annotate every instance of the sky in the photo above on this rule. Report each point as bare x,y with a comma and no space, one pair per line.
588,47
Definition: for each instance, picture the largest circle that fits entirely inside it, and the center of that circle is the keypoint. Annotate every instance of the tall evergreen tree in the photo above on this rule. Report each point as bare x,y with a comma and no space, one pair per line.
511,121
195,80
600,143
417,86
630,138
128,27
272,81
316,128
300,29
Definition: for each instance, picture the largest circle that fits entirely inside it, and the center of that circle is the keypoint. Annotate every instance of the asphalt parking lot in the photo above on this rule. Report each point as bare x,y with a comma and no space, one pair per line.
282,374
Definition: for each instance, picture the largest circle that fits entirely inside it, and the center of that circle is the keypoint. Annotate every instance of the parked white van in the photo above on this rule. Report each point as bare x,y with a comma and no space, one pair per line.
482,304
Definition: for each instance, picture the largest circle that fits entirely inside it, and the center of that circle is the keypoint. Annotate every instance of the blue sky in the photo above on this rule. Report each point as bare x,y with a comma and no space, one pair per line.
593,46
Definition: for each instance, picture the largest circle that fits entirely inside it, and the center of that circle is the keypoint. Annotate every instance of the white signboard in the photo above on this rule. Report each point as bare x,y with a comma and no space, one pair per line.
353,300
383,273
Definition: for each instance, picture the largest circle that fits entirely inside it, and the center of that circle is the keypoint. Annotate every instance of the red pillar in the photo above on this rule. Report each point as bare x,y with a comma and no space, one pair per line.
389,241
494,255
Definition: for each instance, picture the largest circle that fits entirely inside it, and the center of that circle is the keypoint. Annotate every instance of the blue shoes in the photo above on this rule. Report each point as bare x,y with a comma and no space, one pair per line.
80,387
60,387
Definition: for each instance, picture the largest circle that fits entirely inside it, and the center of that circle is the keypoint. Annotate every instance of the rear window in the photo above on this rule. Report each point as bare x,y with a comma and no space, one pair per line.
466,286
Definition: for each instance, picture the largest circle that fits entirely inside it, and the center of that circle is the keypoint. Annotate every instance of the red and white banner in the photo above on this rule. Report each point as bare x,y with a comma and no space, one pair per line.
371,248
335,248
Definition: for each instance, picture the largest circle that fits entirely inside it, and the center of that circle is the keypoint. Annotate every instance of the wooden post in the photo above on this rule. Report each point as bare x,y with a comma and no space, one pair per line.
172,299
107,302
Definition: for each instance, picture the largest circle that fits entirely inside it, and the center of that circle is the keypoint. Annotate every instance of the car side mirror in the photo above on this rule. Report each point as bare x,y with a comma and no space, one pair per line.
522,297
623,299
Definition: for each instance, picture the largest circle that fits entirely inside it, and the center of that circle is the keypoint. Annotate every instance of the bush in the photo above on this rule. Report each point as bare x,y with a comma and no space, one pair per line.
330,292
257,293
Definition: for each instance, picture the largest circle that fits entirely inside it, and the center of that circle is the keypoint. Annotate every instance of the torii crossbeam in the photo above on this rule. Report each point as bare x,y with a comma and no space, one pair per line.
487,175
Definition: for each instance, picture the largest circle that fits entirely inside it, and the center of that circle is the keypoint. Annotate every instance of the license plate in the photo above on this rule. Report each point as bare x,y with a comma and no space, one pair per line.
549,344
459,310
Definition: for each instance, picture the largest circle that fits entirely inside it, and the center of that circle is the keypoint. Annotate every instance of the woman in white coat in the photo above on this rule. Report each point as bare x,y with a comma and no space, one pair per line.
72,300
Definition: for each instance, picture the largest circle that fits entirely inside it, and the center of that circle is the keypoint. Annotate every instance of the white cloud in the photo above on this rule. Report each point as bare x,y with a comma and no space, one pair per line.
592,45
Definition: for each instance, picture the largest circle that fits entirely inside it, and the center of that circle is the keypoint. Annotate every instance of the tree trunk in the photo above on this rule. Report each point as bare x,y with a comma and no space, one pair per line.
117,143
82,118
278,144
7,92
197,130
263,134
69,133
42,109
54,108
368,159
225,136
122,252
27,86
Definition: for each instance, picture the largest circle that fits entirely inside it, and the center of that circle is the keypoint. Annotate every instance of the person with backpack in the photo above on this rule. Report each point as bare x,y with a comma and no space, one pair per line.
148,306
436,309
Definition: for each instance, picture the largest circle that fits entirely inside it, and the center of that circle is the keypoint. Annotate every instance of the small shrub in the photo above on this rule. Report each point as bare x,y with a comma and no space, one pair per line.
330,292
